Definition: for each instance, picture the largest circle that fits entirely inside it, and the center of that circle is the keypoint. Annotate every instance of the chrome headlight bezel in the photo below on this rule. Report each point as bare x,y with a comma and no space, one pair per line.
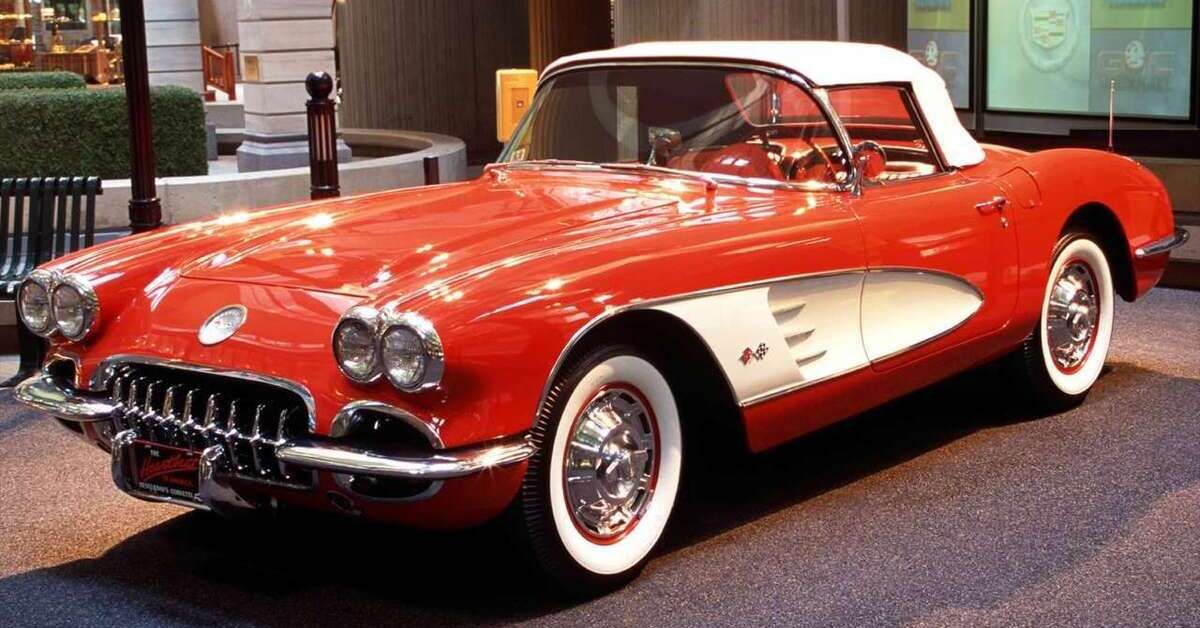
380,325
88,299
369,318
434,353
45,280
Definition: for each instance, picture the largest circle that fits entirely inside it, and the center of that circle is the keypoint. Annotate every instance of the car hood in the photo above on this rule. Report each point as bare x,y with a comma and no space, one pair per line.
370,245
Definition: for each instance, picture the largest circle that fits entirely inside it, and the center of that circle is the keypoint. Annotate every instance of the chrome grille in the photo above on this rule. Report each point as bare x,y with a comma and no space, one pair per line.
194,411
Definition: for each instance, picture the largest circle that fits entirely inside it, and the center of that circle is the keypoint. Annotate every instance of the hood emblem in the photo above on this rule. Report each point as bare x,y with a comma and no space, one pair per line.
221,325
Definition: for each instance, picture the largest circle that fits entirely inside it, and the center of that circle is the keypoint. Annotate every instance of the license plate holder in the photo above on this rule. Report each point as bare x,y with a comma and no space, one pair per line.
166,471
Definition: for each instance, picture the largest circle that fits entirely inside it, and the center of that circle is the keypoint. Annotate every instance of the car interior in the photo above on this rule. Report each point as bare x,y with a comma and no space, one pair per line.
736,123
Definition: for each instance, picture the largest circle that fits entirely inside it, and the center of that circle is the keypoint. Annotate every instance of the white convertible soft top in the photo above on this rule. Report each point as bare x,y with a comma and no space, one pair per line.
824,64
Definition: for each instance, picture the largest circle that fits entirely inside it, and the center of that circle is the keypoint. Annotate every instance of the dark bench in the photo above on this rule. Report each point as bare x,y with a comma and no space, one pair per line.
41,219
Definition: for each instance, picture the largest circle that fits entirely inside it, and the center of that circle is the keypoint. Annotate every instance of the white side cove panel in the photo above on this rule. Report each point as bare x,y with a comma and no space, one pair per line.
772,338
904,308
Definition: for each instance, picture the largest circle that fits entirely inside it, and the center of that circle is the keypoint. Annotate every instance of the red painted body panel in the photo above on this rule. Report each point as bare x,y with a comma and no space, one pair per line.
1069,179
511,268
949,235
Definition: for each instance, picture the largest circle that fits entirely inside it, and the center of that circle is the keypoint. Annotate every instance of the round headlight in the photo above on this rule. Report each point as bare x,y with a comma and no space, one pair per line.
75,307
412,353
403,357
354,345
34,305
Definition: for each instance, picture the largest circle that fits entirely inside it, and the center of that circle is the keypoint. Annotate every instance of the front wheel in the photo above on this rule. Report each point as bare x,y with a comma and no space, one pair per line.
601,487
1064,355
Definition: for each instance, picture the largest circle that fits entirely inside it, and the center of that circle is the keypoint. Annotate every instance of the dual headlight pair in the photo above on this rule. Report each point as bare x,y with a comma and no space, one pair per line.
50,303
369,344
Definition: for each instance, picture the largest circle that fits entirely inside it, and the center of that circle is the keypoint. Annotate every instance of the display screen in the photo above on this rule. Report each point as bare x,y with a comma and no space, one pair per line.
939,35
1062,56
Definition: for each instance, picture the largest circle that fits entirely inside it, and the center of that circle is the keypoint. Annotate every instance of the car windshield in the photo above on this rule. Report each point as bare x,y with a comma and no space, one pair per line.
716,121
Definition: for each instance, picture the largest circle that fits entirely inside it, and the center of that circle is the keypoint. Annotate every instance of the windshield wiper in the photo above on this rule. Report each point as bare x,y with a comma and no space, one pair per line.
711,180
542,163
708,180
532,164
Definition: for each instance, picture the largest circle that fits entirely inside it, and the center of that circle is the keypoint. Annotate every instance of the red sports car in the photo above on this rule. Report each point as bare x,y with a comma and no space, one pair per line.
747,240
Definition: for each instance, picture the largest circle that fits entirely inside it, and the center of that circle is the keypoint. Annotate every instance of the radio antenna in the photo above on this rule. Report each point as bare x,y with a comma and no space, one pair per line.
1112,101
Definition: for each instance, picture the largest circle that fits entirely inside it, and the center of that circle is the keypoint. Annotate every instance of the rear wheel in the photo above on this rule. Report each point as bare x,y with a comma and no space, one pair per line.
601,487
1063,357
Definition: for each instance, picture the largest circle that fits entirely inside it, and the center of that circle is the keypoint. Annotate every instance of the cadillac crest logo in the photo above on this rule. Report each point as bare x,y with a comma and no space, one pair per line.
1049,33
221,325
1049,27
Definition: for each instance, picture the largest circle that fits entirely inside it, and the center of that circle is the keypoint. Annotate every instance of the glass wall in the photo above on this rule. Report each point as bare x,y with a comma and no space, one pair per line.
939,35
16,34
1063,56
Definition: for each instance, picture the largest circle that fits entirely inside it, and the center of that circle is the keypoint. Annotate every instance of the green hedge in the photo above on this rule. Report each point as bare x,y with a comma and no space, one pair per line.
41,80
73,132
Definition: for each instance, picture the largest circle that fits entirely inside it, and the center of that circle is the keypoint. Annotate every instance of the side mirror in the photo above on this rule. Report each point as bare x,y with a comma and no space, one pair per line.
870,160
663,142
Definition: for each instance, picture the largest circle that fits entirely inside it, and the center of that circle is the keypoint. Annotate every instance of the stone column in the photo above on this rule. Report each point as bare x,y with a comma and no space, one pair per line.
281,42
173,43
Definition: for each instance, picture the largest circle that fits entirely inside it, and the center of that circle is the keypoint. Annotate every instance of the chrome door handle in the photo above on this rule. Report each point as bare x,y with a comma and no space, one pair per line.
992,205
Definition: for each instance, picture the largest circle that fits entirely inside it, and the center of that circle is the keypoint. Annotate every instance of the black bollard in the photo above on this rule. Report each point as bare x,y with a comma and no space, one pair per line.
322,136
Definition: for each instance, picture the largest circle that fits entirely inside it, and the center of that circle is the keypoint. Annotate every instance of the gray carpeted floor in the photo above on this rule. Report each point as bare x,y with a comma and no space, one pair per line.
947,508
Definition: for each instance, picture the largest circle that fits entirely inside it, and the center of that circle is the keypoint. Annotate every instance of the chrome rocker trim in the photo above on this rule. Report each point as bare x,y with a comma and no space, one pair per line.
1158,247
439,465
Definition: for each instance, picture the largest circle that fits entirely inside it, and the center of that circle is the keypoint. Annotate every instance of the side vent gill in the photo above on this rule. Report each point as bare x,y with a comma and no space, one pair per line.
788,311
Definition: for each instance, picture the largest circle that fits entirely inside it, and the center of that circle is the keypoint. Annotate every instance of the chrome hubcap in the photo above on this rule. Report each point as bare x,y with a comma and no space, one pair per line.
1073,316
611,463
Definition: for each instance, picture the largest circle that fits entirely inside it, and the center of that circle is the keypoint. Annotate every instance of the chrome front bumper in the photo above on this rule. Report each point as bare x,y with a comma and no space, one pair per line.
1158,247
43,393
46,393
440,465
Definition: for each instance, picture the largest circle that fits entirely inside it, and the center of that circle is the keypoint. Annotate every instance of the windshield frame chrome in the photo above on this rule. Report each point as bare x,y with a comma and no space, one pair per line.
848,184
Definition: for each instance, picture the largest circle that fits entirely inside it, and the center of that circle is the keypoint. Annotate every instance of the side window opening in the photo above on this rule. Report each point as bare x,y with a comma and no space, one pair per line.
886,115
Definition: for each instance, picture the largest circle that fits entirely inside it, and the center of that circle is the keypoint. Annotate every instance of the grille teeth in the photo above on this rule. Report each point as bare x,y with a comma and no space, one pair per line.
169,399
189,403
118,392
231,419
133,394
281,428
256,439
210,411
280,433
151,390
181,409
231,435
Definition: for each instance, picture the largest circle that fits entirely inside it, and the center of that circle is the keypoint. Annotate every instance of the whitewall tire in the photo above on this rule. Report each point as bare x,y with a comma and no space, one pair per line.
1065,354
600,489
